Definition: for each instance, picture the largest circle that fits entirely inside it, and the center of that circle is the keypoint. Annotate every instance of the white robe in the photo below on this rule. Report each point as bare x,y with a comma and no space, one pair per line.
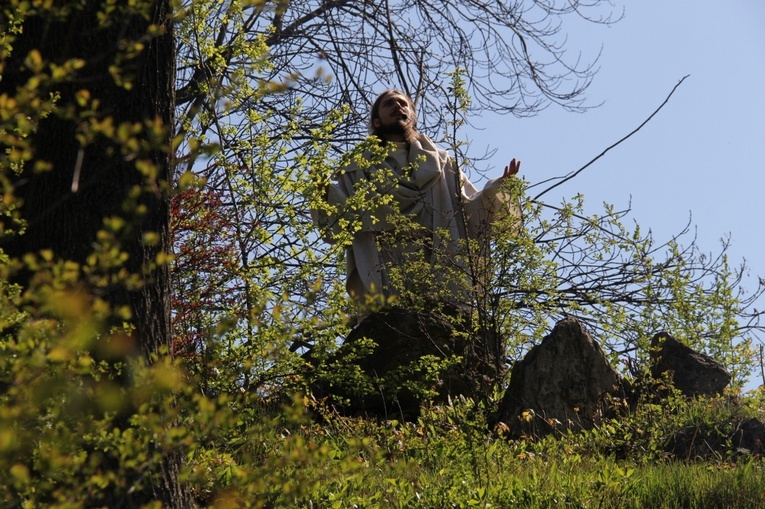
429,194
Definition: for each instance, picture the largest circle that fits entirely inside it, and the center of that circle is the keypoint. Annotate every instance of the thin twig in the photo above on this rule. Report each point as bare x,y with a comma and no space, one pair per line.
394,51
580,170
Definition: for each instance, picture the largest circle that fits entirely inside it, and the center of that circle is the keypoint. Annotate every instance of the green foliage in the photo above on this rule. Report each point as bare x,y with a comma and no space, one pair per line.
83,417
78,433
620,283
448,458
664,424
88,418
253,284
249,281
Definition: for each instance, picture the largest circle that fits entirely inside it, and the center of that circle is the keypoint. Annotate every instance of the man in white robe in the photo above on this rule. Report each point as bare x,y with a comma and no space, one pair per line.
425,185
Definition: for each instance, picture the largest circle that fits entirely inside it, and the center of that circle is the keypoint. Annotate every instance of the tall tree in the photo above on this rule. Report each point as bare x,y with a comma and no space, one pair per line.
343,52
103,151
87,157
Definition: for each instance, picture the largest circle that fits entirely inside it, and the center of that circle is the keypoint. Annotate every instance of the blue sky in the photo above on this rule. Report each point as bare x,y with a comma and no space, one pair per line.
700,159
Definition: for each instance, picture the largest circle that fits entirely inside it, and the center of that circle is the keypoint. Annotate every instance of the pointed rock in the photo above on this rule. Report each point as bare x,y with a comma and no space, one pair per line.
692,373
565,382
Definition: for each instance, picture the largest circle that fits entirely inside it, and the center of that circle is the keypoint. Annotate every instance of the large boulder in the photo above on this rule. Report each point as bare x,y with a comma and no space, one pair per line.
565,382
691,372
395,352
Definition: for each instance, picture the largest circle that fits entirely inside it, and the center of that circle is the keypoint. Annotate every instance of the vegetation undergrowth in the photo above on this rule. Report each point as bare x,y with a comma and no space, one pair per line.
450,458
72,437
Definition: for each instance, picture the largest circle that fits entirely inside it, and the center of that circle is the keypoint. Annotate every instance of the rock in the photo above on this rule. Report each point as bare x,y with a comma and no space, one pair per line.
713,440
565,382
750,436
394,370
692,373
696,443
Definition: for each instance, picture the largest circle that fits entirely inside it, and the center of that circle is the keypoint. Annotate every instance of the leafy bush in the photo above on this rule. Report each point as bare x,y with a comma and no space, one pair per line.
96,411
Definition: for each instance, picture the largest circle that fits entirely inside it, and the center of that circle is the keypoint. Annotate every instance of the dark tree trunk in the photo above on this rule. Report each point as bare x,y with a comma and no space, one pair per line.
65,206
63,210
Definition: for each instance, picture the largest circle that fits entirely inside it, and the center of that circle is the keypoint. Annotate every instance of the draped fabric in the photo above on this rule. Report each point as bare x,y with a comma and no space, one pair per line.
429,189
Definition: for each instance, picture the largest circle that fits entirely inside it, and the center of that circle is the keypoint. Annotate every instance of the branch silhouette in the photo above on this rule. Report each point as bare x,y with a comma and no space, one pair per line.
580,170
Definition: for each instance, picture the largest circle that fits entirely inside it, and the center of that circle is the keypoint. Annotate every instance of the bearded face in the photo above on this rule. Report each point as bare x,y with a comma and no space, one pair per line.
394,117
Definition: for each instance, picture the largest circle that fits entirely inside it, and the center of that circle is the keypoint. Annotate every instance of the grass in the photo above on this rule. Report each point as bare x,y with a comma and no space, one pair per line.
449,458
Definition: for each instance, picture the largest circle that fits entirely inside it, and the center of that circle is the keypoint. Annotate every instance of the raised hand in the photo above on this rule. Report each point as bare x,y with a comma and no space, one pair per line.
512,168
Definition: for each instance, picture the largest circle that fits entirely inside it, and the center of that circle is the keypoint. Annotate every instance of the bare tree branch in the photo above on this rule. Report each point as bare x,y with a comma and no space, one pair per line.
608,149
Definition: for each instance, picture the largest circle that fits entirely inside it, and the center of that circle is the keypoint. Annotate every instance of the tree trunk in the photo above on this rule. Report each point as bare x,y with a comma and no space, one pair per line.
65,206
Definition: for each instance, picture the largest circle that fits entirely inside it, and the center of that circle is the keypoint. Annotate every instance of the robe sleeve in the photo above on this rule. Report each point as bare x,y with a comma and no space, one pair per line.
484,207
